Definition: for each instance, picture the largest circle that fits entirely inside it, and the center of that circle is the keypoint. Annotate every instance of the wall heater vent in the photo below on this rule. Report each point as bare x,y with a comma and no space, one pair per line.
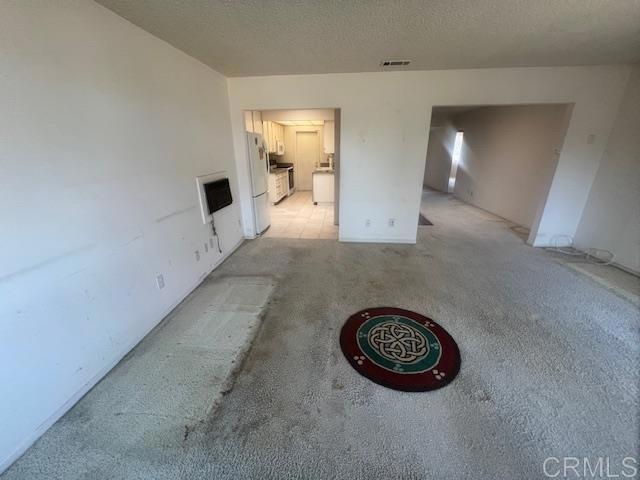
394,63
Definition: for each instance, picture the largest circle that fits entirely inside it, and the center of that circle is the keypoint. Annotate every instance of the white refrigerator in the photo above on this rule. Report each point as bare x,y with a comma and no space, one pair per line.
259,164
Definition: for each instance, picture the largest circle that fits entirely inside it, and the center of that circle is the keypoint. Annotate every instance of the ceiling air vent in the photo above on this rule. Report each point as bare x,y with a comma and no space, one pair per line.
395,63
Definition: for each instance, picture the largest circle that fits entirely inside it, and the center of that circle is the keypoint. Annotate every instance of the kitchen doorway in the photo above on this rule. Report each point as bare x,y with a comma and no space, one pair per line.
303,148
306,158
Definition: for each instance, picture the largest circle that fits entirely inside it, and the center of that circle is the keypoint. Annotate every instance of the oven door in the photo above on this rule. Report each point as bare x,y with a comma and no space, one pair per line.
291,179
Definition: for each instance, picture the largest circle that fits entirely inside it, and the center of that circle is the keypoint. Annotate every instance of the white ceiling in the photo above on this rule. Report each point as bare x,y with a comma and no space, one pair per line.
264,37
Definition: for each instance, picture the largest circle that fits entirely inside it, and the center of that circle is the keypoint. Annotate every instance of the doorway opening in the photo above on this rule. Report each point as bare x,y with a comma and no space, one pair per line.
499,158
302,171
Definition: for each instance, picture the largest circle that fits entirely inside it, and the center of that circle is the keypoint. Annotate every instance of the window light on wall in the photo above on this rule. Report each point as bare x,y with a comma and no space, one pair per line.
455,159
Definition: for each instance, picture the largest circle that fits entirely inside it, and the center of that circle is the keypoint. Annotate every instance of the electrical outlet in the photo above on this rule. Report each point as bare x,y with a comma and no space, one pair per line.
211,242
367,223
197,254
206,247
392,222
160,281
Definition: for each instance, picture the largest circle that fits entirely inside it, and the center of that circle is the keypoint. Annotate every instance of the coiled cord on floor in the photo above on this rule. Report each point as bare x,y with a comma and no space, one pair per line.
591,255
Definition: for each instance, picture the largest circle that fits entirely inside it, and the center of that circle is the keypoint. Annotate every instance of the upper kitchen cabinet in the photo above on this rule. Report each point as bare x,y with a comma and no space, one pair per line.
257,122
253,121
273,134
329,138
268,135
248,121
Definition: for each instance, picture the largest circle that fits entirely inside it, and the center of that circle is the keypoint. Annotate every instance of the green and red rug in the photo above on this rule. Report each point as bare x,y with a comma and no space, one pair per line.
400,349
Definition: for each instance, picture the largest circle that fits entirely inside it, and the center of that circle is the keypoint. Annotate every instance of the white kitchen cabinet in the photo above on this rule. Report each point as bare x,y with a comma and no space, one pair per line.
265,135
253,121
273,133
278,186
323,187
257,122
329,136
268,135
248,121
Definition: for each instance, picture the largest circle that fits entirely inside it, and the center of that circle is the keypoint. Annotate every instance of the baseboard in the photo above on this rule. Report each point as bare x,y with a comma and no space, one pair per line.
626,269
44,426
411,241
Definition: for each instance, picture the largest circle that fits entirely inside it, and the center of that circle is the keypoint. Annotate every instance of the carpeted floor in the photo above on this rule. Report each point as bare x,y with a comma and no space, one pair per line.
549,368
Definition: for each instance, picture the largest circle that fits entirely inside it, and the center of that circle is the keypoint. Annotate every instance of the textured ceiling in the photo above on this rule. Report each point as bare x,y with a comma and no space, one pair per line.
265,37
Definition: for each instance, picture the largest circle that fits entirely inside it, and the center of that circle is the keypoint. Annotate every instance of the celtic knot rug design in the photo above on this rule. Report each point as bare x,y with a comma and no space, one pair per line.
400,349
398,342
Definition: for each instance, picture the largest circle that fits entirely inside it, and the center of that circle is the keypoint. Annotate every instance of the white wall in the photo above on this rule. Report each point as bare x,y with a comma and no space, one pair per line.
442,138
508,158
102,132
384,134
326,114
611,218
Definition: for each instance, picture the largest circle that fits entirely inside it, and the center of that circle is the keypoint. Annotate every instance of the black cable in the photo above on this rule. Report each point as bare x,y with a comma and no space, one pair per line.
215,234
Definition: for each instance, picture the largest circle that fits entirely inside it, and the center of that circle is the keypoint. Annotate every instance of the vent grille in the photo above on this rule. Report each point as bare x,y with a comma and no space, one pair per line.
394,63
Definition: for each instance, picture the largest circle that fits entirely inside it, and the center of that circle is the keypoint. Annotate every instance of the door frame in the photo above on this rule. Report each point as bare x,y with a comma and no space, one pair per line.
303,129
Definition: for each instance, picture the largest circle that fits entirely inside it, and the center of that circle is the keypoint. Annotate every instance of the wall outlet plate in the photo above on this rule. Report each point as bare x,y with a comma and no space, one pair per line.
392,222
197,254
367,223
160,281
206,247
211,242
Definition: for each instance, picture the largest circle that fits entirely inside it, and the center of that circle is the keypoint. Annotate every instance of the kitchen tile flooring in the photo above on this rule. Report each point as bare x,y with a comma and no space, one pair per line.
297,217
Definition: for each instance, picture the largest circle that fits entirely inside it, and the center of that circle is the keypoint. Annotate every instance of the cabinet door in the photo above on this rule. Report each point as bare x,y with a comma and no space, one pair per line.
329,137
266,126
276,136
257,122
272,137
273,194
248,121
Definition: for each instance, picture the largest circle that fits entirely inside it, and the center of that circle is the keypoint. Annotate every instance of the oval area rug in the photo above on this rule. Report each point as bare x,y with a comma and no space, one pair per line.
400,349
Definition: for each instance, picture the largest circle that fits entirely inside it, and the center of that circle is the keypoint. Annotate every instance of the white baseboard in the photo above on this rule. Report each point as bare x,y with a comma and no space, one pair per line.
411,241
66,406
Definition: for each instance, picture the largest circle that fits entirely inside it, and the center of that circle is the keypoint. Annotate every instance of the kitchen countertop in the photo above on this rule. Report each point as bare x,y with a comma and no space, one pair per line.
323,171
279,170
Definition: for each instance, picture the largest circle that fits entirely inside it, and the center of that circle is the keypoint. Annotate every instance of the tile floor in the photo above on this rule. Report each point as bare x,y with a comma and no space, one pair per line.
297,217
